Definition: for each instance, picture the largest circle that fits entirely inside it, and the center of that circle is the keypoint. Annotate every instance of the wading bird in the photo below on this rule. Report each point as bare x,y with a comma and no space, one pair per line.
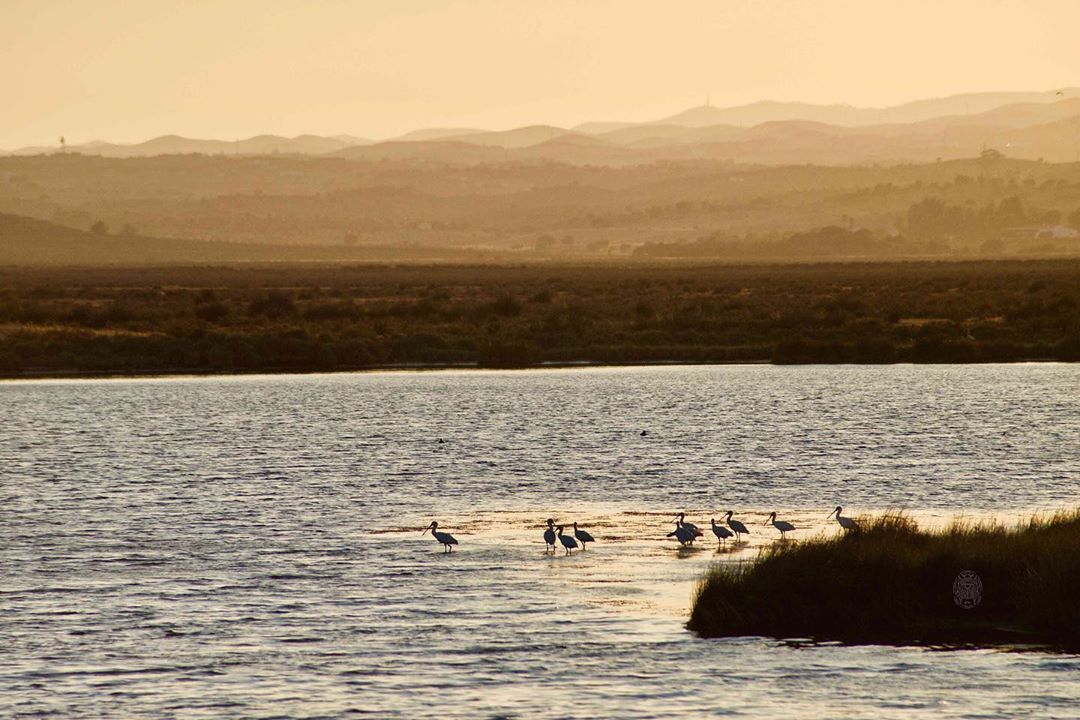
694,529
567,542
721,532
737,526
845,522
582,536
549,536
445,538
680,533
782,525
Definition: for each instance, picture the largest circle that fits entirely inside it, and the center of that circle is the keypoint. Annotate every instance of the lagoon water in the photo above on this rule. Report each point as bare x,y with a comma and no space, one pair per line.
251,546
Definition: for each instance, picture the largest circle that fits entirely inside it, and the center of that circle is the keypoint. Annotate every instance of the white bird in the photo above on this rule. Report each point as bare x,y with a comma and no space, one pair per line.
582,536
782,525
549,536
845,522
680,533
694,529
721,532
445,538
567,542
737,526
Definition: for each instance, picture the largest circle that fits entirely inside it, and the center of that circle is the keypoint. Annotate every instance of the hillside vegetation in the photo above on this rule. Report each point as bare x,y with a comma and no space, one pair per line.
984,207
26,241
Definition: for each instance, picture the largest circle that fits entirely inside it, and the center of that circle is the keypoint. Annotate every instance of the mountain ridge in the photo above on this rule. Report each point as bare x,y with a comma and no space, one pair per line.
889,133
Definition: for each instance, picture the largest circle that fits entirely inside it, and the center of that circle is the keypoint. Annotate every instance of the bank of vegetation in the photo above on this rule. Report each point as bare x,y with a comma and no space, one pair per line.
889,582
290,318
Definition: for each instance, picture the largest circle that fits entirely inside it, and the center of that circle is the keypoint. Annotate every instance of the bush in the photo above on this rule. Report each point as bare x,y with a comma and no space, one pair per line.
506,306
889,582
275,305
212,311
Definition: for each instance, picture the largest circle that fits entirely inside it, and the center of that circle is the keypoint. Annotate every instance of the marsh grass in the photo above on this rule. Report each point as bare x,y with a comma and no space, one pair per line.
314,318
891,582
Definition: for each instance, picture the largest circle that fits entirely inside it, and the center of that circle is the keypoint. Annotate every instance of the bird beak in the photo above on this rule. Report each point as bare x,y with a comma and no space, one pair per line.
425,530
829,515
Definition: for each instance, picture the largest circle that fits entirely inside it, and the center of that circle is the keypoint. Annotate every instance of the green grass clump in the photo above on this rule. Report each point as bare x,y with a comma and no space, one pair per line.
889,582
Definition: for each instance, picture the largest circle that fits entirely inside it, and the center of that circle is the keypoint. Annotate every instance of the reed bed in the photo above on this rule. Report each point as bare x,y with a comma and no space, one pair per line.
890,582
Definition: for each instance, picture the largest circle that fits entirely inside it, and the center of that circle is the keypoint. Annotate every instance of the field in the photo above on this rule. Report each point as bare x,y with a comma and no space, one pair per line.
271,318
889,582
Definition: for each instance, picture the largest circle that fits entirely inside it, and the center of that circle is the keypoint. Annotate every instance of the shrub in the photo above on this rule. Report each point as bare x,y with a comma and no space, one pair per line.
890,582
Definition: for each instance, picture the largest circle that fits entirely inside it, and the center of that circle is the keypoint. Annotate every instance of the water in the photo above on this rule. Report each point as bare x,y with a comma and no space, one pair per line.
251,547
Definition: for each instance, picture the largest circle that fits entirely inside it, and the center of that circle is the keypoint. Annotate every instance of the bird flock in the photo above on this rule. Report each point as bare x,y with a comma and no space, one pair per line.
685,532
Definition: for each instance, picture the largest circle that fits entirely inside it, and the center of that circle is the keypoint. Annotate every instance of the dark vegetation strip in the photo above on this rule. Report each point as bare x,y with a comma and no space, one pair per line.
891,583
245,318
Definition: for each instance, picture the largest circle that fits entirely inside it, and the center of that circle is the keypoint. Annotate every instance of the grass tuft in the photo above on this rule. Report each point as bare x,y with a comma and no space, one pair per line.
892,583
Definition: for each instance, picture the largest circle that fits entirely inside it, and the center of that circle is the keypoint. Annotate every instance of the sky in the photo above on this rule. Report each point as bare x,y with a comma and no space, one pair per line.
129,71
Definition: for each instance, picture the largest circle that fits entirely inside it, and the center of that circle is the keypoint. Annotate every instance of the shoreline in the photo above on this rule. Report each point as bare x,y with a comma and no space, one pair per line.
473,366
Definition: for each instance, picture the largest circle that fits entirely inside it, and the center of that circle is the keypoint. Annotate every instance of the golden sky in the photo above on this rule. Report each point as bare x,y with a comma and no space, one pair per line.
127,71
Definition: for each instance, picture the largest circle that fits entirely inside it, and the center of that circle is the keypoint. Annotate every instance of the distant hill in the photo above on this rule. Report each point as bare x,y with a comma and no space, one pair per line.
648,135
599,128
1021,130
353,140
967,104
425,134
1019,124
27,241
849,115
571,196
1019,115
177,145
439,151
516,138
33,242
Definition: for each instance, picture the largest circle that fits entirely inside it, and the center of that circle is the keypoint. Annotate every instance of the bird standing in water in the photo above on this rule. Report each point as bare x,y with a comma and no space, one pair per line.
845,522
695,531
582,536
445,538
782,525
549,536
737,526
721,532
567,542
682,534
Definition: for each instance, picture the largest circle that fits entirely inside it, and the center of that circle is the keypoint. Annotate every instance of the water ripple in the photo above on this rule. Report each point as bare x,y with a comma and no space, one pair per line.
251,547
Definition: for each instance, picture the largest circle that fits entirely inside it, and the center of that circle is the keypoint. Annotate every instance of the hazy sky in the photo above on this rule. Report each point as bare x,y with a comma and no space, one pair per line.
127,71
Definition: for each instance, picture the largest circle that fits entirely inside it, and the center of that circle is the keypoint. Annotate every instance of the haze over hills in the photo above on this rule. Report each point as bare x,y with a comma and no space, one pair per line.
849,115
537,209
1007,175
435,134
516,138
717,132
177,145
1020,131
